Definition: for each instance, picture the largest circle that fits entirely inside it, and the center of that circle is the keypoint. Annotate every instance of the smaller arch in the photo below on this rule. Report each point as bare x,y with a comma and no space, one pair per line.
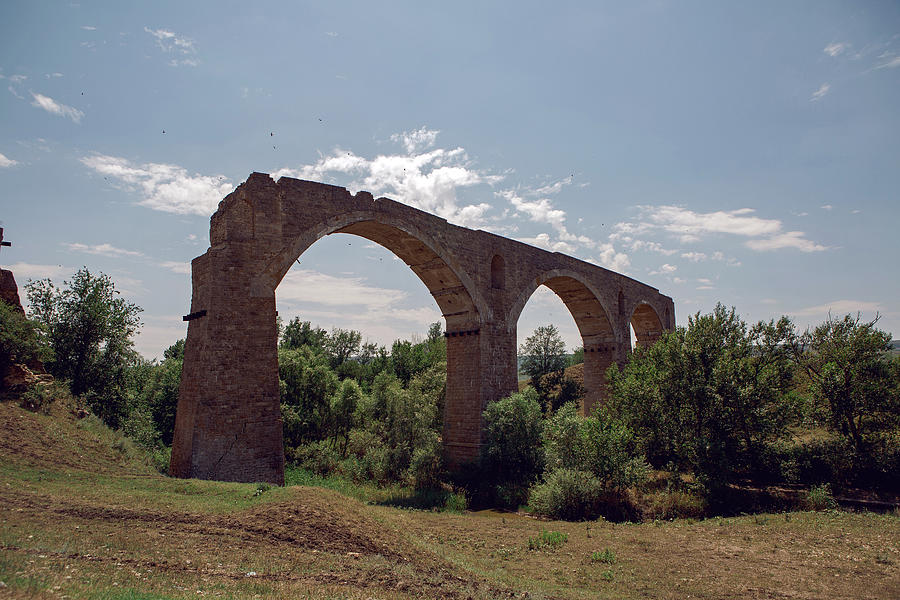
647,325
594,324
498,272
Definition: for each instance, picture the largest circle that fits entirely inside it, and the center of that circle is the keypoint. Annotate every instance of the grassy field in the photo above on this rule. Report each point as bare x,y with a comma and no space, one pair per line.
83,516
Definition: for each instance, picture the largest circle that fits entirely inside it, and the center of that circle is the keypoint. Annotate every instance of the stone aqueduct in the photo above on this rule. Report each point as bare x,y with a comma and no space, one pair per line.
228,424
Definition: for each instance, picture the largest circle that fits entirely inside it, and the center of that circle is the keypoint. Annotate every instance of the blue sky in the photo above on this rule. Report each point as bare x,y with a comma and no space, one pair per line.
738,153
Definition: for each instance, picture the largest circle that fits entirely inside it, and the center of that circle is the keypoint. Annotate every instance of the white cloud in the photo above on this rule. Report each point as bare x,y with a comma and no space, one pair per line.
664,269
182,268
689,226
539,211
182,48
888,61
789,239
56,108
426,180
416,140
102,250
826,207
839,308
819,93
651,246
835,48
7,162
301,285
88,27
350,302
542,240
157,333
610,258
694,256
167,188
684,222
534,204
25,271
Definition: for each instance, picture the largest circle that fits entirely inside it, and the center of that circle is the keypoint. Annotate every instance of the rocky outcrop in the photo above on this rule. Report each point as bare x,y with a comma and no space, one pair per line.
9,291
16,377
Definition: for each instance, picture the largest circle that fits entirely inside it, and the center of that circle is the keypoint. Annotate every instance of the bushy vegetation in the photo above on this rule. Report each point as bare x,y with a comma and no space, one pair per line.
89,329
686,421
20,339
708,398
359,410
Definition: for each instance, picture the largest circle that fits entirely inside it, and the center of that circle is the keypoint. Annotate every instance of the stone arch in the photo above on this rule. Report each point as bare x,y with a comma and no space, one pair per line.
592,319
498,272
452,290
456,295
648,327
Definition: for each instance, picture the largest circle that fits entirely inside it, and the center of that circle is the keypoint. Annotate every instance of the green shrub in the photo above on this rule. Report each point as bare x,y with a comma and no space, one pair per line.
708,397
673,504
607,556
599,444
456,503
567,494
20,338
319,457
511,446
139,426
160,458
551,540
41,396
605,449
426,465
819,498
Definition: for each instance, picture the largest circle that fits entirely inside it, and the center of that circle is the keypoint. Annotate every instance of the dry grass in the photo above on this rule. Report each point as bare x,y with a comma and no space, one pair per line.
102,525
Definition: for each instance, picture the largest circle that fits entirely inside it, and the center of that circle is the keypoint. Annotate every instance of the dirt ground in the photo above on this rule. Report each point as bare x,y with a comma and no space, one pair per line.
81,518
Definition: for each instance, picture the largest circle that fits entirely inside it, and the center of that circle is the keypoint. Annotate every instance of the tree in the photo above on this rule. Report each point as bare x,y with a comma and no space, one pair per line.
849,367
89,328
544,360
299,333
511,442
343,410
408,359
710,396
341,345
307,386
162,391
543,352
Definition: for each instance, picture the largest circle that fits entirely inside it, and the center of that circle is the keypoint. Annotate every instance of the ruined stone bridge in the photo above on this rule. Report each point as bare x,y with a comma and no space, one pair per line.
228,424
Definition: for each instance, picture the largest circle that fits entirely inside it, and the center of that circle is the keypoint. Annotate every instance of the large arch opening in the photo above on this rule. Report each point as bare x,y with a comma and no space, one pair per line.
456,308
593,325
646,325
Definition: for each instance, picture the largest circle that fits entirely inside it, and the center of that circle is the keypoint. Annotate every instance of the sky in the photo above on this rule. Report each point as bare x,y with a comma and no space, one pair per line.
742,153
